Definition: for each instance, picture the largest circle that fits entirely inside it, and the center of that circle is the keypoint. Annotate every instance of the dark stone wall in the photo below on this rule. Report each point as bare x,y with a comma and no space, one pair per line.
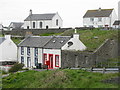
109,49
22,32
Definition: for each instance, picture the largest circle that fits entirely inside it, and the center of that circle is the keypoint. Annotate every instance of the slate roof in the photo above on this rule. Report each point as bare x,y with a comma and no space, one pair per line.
48,42
1,39
38,41
16,24
98,13
57,42
116,22
40,17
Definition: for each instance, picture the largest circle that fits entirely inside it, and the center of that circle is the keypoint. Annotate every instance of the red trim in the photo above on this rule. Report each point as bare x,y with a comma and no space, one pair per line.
55,61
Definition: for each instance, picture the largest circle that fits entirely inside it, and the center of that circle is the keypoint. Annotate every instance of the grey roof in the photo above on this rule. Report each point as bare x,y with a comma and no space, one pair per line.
116,22
57,42
48,42
98,13
1,39
33,41
40,17
16,24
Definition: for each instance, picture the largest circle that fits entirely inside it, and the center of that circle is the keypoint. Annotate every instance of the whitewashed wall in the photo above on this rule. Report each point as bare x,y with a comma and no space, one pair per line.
49,23
31,56
105,21
77,44
54,52
8,50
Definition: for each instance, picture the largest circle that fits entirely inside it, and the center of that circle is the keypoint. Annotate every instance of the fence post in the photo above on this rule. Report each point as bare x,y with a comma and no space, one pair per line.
103,69
91,69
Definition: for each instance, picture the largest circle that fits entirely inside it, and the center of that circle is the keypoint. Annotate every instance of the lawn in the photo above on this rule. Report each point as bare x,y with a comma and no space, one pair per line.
58,79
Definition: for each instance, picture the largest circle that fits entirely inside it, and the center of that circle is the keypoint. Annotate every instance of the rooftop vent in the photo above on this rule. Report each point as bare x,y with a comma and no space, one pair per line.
70,44
54,41
62,41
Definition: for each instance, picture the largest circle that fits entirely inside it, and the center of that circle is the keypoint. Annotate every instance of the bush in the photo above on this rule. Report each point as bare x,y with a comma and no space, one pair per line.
16,67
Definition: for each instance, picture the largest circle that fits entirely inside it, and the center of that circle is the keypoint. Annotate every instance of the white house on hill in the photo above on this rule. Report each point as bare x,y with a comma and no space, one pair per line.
99,18
8,49
46,50
43,21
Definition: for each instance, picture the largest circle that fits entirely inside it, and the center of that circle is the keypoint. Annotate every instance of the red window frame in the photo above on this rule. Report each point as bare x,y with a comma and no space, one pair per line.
44,58
56,61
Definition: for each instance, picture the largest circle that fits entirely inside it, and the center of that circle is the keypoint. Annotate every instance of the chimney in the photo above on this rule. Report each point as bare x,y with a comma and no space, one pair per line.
30,12
7,36
99,9
76,35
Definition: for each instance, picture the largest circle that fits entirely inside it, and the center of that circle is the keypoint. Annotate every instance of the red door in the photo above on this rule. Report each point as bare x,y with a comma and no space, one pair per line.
50,65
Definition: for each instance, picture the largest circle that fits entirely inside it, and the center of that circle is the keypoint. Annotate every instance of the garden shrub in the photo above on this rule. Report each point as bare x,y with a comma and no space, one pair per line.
16,67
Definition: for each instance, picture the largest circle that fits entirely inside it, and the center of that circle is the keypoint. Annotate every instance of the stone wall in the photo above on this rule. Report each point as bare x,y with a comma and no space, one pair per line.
109,49
22,32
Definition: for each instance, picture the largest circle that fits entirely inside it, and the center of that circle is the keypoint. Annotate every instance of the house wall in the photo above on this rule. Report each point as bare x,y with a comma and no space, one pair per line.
1,27
8,50
31,56
105,21
119,10
60,21
77,44
54,52
49,23
95,23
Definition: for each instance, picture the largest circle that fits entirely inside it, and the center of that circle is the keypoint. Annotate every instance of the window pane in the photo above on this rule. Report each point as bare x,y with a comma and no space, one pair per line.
33,24
45,58
22,50
22,60
57,61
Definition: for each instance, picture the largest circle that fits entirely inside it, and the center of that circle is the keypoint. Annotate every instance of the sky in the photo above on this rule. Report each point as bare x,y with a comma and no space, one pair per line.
71,11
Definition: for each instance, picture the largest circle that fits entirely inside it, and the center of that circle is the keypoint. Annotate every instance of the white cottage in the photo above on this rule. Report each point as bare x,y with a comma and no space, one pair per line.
15,25
8,49
42,21
99,18
46,50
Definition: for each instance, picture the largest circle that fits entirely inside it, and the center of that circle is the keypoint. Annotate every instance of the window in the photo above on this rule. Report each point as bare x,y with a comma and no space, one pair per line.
33,24
22,50
27,27
91,19
22,60
36,61
28,51
28,62
45,59
57,22
47,27
36,52
99,19
56,60
40,24
99,26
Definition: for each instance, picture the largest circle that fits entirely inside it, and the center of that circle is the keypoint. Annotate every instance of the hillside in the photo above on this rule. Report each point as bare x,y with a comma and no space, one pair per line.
59,79
94,38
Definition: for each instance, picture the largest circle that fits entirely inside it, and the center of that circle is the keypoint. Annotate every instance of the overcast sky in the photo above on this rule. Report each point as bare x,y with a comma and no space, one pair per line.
71,11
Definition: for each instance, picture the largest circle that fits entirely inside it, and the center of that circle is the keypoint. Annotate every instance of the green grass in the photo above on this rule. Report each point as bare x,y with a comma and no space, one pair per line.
49,34
16,40
58,79
87,37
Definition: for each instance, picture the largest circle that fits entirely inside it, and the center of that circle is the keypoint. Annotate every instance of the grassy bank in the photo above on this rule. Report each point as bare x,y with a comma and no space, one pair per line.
58,79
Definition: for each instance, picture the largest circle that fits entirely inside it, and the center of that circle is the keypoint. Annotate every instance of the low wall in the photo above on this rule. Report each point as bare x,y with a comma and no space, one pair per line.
109,49
22,32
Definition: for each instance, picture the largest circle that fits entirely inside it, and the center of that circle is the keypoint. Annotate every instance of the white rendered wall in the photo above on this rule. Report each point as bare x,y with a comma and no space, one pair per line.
119,10
32,57
8,50
54,52
77,44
